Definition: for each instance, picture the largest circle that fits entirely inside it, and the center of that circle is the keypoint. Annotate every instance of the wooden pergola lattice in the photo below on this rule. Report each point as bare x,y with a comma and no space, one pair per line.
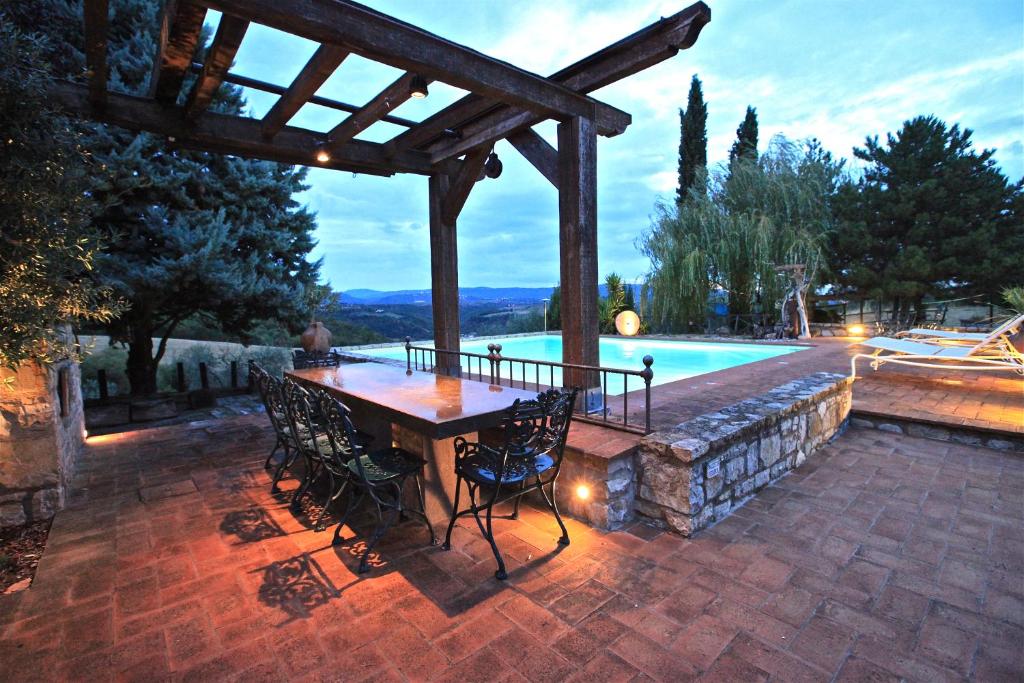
451,146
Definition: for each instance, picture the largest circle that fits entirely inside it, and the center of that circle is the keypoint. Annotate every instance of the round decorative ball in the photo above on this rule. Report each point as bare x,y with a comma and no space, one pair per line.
627,323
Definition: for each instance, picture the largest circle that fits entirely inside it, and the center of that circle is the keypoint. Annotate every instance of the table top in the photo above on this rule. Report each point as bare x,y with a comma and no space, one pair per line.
434,405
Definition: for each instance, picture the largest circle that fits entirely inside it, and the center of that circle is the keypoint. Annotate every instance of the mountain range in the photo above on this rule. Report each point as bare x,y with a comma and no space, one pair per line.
466,294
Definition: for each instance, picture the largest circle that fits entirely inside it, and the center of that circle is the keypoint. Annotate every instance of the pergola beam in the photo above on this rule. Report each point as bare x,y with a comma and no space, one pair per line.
222,51
237,135
538,152
373,111
384,39
461,185
181,23
273,89
95,17
318,69
645,48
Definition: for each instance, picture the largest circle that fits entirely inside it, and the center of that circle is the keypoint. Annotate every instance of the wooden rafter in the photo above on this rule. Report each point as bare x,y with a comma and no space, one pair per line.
461,185
237,135
389,41
95,16
486,121
538,152
318,69
181,23
222,51
373,111
273,89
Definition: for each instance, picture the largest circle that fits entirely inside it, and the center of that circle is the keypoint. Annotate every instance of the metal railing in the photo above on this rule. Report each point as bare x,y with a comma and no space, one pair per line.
596,407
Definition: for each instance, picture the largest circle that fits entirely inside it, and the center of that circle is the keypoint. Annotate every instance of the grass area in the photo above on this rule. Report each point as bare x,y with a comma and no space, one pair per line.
216,355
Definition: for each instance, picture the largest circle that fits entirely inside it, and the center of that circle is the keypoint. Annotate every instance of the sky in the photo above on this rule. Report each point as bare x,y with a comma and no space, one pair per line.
837,70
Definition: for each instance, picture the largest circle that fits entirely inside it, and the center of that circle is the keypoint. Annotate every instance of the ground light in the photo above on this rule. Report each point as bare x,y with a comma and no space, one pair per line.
583,492
856,330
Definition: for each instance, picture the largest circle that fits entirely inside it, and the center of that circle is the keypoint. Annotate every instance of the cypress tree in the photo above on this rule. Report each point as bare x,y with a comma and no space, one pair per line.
693,141
189,233
745,146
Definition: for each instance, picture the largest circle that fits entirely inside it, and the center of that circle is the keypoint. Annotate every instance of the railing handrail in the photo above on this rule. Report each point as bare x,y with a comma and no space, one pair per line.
495,359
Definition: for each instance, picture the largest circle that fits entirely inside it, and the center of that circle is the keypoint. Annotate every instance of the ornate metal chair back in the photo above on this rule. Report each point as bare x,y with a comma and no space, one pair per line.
301,410
341,433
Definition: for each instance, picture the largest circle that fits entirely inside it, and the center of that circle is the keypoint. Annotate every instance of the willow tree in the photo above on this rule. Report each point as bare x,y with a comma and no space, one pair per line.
759,214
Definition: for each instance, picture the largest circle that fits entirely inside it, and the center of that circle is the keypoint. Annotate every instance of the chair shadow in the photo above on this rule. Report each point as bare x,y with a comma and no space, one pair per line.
252,524
296,586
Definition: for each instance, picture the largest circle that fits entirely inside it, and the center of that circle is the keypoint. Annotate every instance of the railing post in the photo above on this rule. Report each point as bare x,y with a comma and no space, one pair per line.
181,377
648,375
234,374
204,381
408,354
497,364
490,359
101,378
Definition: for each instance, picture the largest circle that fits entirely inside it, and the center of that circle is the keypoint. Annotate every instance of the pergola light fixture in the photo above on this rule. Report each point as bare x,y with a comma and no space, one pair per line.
323,155
418,88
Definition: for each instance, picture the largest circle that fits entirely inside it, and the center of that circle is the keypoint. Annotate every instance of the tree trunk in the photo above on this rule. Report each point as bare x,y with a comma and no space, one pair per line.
141,365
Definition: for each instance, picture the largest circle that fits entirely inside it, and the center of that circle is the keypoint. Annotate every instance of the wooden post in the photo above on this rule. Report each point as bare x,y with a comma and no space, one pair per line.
101,377
577,212
181,377
234,374
444,277
204,381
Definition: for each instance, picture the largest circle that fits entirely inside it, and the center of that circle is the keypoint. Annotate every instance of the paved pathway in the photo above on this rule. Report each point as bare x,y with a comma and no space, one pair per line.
884,557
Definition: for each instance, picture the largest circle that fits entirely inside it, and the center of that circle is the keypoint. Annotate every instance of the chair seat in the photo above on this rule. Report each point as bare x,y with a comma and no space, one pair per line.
387,463
483,470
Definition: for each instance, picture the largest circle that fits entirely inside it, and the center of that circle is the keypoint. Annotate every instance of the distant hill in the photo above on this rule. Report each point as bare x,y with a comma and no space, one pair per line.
467,294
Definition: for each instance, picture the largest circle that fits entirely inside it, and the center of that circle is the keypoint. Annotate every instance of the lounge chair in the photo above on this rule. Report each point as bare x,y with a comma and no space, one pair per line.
950,336
1000,349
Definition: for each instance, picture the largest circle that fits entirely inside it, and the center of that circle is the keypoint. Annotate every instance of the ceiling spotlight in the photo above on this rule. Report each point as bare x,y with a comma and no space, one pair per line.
323,155
418,87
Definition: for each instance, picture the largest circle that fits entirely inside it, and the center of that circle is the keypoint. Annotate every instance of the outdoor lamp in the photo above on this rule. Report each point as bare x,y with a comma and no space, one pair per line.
493,166
627,323
418,88
583,492
322,153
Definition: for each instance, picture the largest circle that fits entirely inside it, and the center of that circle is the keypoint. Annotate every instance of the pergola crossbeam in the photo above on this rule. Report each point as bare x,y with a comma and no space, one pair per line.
222,51
373,111
181,24
95,16
387,40
461,185
538,152
237,135
318,69
639,51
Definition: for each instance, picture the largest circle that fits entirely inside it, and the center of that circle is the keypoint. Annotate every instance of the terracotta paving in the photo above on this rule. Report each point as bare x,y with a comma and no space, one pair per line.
882,558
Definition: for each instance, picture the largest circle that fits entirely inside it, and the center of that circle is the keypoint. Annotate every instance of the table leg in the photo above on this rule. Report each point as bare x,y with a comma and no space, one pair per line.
438,473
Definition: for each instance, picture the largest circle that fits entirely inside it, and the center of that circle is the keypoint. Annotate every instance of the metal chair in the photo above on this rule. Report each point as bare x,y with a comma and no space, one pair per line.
379,475
528,460
304,427
302,360
269,388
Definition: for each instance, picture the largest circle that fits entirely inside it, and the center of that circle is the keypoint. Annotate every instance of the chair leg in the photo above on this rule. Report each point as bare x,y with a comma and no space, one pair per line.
277,444
423,508
564,540
312,470
285,463
519,498
353,500
378,533
500,574
447,545
320,526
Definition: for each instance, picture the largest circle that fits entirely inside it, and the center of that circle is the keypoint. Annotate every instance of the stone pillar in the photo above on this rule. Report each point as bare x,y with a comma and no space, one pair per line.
41,434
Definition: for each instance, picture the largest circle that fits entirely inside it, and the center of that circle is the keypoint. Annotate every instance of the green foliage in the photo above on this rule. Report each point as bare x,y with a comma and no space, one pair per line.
47,247
190,233
613,304
629,301
745,147
555,308
693,142
931,215
766,213
1014,298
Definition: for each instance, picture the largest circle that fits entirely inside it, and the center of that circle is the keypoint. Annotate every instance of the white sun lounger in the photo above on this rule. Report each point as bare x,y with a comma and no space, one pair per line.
940,336
995,351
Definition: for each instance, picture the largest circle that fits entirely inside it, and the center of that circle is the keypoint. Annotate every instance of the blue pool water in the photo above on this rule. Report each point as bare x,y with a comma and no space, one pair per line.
673,360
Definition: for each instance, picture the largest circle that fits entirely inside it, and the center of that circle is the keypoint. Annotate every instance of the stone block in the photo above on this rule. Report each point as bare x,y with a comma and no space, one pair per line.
153,409
46,503
927,431
771,449
735,468
779,468
713,485
753,456
891,428
106,416
761,479
12,514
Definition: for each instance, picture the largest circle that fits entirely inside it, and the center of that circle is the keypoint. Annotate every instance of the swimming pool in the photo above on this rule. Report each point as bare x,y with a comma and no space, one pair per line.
673,360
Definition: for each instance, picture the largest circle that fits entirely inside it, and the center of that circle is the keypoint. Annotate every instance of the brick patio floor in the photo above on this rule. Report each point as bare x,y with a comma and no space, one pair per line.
882,558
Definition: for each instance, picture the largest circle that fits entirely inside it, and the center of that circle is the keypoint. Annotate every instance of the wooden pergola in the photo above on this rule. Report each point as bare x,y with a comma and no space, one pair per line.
450,147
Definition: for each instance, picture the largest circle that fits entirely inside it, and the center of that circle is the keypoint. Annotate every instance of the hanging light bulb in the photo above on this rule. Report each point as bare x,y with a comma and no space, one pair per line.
418,88
323,155
493,166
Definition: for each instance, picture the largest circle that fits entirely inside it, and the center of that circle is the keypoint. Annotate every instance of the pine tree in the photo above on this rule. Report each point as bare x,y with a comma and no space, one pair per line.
930,216
693,142
745,146
190,233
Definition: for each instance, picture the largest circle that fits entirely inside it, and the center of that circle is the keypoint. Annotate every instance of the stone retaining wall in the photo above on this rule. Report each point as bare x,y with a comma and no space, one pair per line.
962,434
695,474
41,435
610,484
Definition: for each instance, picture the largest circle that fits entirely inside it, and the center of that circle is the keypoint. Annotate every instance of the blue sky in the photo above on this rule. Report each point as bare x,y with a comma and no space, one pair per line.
836,70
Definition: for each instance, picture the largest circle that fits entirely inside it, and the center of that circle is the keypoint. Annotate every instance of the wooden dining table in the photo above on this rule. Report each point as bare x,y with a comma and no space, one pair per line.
418,411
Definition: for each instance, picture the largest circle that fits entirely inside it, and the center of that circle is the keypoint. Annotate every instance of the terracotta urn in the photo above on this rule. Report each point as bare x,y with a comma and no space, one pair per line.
316,338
